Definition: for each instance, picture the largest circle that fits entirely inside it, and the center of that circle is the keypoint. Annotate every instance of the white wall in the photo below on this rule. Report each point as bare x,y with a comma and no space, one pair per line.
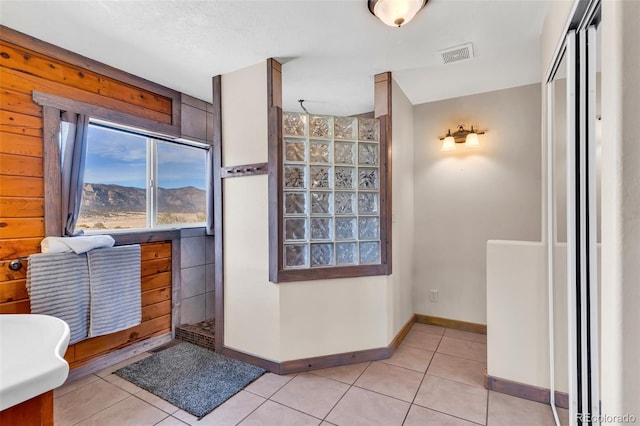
401,281
466,197
517,338
313,318
252,304
620,290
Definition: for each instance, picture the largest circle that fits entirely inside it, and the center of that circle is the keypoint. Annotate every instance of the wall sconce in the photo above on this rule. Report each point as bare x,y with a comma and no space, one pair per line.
462,135
395,13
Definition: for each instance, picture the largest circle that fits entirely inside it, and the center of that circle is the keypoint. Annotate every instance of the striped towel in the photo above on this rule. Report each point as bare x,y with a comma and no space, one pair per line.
115,289
58,285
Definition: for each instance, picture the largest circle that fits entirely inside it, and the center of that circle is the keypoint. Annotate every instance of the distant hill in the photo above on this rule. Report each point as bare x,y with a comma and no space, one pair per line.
98,199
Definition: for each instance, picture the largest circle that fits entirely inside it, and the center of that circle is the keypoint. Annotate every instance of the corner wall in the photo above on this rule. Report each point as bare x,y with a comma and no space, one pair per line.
466,197
289,321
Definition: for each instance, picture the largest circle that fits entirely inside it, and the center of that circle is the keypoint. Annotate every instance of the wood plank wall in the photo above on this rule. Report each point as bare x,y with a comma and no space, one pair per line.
22,182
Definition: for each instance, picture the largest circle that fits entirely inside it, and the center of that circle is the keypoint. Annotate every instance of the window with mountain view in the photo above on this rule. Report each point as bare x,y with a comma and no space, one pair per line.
133,181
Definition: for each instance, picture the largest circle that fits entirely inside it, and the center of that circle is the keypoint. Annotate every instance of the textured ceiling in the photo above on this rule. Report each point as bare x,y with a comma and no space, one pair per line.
330,49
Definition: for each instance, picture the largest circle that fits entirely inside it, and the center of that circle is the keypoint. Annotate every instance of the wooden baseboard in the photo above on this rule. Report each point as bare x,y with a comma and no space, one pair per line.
112,358
402,333
325,361
267,364
451,323
525,391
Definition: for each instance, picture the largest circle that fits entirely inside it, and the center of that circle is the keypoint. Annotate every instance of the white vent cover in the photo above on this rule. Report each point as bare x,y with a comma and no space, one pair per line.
463,52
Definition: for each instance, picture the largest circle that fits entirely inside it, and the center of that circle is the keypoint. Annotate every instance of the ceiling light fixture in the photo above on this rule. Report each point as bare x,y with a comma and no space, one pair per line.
462,135
396,13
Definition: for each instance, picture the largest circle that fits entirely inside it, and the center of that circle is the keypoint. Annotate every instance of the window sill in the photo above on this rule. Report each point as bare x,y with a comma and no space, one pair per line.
144,236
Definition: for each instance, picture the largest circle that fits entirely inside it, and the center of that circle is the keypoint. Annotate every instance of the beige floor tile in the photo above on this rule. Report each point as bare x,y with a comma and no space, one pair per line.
171,421
156,401
463,349
185,417
410,357
422,340
233,410
507,410
458,369
466,335
390,380
271,413
419,416
268,384
563,416
454,398
428,328
106,371
76,384
344,373
83,403
128,412
122,383
360,407
311,394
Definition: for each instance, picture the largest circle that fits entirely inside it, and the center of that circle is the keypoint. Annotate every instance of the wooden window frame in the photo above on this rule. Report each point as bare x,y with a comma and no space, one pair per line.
52,107
277,272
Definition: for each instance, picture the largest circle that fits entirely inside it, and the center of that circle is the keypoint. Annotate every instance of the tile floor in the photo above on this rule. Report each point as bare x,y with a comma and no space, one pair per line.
435,377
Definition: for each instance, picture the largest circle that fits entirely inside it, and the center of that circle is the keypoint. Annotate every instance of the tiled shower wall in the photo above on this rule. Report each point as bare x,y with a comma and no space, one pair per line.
196,275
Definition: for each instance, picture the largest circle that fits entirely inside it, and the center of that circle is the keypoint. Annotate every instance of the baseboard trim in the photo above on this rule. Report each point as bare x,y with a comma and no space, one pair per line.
324,361
265,363
402,333
112,358
525,391
451,323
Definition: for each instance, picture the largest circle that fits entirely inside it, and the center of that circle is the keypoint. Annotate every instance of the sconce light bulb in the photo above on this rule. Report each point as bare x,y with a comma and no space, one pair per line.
472,140
449,144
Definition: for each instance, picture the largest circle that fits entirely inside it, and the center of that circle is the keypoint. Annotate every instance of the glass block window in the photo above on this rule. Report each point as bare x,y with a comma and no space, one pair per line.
331,191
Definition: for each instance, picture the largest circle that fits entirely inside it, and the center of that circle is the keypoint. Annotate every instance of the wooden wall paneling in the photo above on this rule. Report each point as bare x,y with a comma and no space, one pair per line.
17,307
17,58
18,102
21,207
11,291
155,266
155,250
21,124
218,197
87,349
156,310
17,186
20,165
159,280
14,248
19,39
21,227
28,146
25,83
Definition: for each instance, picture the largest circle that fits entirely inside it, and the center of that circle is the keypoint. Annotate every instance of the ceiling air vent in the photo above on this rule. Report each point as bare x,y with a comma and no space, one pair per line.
457,53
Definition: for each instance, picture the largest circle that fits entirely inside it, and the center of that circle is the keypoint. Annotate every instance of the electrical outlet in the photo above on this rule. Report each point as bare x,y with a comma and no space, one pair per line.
434,295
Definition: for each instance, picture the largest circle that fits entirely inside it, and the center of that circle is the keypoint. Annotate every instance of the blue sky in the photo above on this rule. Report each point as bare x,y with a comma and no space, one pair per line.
119,158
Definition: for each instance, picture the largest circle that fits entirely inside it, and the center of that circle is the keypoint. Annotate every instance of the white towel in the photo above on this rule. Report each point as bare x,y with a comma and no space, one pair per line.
58,285
80,244
115,289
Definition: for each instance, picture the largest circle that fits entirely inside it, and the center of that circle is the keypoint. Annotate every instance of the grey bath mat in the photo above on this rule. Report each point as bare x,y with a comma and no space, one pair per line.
192,378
